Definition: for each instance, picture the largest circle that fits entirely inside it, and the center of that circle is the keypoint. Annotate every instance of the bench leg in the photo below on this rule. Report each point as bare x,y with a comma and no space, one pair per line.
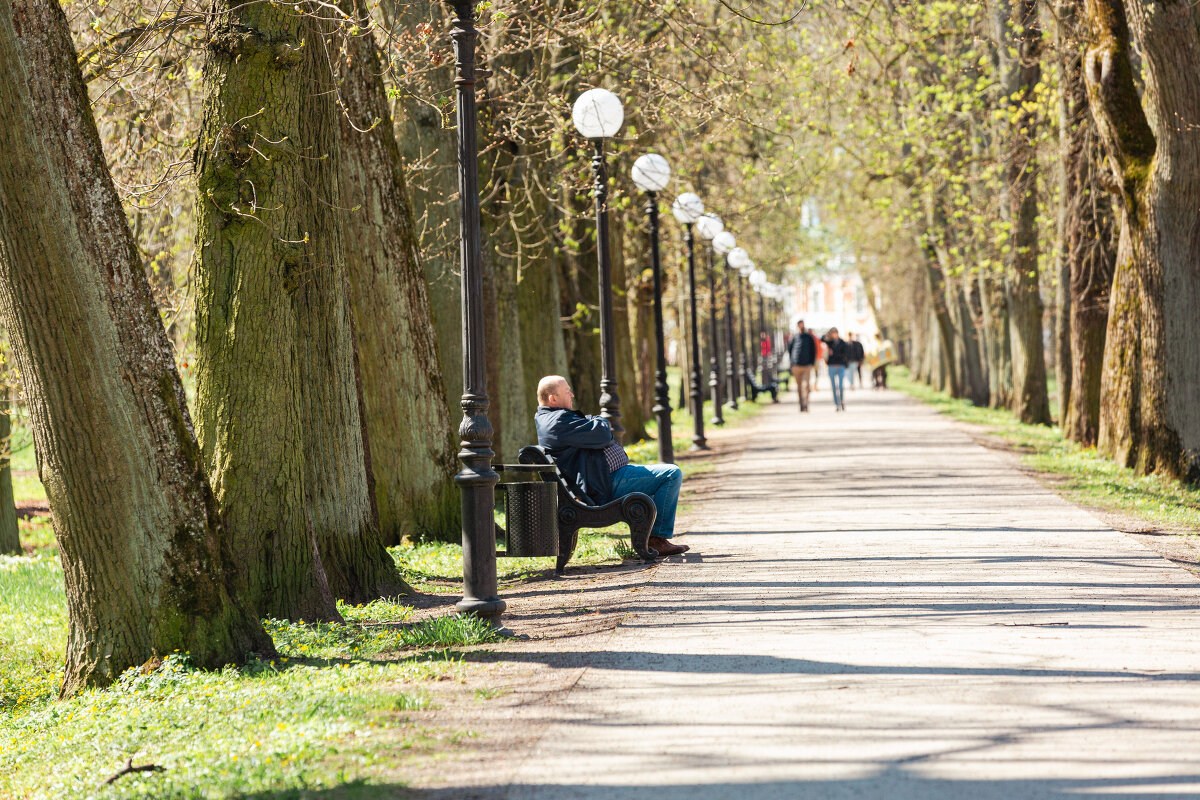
641,514
568,538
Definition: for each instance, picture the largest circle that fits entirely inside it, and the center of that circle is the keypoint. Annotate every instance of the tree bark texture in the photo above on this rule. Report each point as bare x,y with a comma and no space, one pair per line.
633,415
577,268
1149,416
277,403
428,146
1022,72
1087,246
408,424
641,315
146,561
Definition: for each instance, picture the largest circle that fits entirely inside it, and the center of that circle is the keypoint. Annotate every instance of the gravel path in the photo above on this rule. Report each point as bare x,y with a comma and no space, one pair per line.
878,607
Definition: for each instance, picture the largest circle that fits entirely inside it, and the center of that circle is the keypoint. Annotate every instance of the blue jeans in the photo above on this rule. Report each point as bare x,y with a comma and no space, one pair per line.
661,482
837,377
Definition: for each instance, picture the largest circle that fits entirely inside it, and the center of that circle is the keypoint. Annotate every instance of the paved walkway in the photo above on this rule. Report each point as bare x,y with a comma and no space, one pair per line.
882,608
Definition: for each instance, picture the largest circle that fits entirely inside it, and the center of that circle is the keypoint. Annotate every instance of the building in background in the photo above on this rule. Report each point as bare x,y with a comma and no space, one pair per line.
834,296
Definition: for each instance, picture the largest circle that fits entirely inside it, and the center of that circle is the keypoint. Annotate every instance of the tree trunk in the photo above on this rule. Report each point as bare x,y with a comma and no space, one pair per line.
10,539
1087,247
426,137
408,426
146,561
994,308
274,364
641,314
682,343
577,265
514,403
537,283
1021,73
633,416
944,374
1149,417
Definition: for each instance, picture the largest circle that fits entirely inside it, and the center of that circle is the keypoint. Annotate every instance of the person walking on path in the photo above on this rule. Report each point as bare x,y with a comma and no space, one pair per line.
592,461
822,351
854,368
881,356
802,354
836,363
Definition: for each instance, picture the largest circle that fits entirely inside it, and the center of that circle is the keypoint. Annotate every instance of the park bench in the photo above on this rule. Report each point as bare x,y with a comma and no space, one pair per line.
576,512
756,390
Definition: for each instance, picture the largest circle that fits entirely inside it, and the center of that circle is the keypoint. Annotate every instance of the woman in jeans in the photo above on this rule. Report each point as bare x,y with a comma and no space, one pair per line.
836,362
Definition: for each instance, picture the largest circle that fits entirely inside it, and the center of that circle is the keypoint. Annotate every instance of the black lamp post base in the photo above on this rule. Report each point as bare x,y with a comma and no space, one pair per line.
488,609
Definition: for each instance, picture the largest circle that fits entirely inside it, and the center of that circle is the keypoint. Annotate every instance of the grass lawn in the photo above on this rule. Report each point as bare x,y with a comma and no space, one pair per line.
319,716
1082,474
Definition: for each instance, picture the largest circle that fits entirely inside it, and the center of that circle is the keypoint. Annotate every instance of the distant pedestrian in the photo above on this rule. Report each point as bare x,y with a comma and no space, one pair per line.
802,353
854,368
822,351
836,363
882,355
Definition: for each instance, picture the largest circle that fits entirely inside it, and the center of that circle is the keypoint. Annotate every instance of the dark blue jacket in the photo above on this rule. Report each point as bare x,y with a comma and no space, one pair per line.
576,443
802,350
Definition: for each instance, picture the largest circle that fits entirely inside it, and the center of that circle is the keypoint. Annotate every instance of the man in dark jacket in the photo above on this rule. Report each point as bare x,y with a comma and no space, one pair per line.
586,454
857,354
802,352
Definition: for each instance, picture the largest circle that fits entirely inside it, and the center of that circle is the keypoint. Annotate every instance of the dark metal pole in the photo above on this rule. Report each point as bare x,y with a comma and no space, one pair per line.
477,479
731,379
742,328
698,440
610,403
715,383
762,334
662,394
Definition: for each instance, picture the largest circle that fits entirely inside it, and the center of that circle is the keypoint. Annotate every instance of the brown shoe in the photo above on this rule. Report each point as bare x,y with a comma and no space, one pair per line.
666,548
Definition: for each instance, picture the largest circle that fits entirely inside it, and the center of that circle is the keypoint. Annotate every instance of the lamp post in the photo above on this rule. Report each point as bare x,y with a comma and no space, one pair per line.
687,208
651,174
597,115
476,479
708,226
758,280
723,243
738,258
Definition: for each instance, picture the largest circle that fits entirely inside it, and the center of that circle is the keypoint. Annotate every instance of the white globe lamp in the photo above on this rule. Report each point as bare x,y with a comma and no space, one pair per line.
687,208
651,173
598,114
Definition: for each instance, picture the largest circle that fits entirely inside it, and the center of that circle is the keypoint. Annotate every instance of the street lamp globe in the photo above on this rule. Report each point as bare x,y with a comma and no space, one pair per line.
723,242
758,279
687,208
739,258
709,225
598,114
651,173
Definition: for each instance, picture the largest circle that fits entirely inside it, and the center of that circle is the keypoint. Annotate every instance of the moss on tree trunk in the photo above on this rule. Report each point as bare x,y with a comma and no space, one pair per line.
1149,416
278,405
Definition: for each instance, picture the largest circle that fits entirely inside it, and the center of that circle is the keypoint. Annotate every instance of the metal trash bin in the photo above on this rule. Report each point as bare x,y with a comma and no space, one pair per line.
531,513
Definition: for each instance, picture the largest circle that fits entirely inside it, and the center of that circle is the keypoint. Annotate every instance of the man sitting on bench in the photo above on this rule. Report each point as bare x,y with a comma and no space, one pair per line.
591,461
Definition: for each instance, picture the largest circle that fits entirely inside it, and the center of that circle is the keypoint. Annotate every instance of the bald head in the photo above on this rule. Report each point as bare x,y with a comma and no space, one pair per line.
555,392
